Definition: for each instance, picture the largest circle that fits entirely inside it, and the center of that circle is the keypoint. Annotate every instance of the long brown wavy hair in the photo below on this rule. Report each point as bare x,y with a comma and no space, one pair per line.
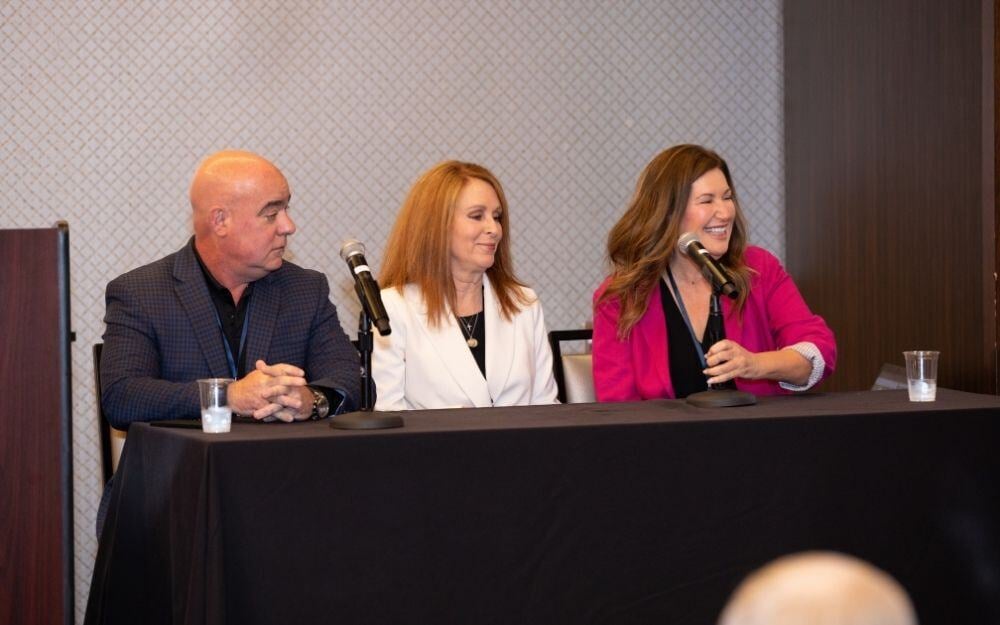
419,247
641,243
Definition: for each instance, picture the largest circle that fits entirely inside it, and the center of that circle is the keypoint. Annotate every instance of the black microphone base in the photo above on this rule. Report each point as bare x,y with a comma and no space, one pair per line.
721,399
366,421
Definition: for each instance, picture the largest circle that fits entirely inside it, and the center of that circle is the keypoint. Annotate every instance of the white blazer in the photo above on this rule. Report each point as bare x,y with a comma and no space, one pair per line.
420,367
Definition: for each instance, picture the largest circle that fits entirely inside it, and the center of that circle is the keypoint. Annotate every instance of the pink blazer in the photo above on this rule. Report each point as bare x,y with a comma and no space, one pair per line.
775,316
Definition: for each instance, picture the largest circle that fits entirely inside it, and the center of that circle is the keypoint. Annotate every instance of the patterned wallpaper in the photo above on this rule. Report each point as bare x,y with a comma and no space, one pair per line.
107,107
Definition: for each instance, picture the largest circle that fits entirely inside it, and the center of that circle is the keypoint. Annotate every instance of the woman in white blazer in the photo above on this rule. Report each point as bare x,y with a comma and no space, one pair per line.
465,331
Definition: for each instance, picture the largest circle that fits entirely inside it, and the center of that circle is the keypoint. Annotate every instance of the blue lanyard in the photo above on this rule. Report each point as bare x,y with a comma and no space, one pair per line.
687,322
225,342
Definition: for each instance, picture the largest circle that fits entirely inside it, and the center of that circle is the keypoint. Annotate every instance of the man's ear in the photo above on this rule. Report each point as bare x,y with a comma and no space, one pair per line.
219,220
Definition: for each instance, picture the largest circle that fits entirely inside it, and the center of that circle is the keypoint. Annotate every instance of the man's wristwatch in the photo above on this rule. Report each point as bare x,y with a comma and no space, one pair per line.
321,405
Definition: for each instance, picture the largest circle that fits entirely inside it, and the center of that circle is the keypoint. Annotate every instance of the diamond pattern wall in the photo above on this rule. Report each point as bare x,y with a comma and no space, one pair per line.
106,108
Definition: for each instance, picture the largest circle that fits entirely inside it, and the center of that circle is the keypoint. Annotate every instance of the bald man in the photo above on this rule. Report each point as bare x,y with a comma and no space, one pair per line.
819,587
227,305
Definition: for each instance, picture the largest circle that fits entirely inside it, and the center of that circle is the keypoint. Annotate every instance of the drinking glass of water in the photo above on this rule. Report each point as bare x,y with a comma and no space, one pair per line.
921,374
216,416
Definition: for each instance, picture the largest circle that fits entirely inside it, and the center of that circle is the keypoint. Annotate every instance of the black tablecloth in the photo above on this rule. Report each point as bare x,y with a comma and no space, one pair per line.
588,513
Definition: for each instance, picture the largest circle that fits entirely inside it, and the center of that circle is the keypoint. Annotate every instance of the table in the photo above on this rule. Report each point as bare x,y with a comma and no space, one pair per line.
647,512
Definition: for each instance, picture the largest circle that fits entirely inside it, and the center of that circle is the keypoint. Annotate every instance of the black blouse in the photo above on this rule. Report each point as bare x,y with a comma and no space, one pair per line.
479,333
682,357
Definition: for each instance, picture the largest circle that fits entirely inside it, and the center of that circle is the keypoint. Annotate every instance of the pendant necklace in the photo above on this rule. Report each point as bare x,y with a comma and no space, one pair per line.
469,329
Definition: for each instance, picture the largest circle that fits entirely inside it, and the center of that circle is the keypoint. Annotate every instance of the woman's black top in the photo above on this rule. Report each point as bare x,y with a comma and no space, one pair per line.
682,357
478,324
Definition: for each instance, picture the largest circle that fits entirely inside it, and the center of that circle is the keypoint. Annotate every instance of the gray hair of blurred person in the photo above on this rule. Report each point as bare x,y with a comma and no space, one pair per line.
819,588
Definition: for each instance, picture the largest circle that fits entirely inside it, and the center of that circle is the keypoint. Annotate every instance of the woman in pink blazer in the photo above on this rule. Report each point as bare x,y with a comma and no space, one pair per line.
651,313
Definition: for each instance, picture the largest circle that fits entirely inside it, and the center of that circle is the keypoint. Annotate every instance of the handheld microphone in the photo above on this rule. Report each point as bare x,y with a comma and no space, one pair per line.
688,244
353,252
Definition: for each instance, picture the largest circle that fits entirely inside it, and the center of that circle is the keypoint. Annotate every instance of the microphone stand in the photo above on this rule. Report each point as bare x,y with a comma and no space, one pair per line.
723,394
366,418
365,346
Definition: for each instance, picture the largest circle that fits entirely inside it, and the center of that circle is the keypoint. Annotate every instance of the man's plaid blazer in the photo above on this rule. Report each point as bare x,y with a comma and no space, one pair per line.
163,334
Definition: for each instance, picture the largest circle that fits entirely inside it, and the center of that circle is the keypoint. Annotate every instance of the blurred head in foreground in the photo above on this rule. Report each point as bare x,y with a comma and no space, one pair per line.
819,588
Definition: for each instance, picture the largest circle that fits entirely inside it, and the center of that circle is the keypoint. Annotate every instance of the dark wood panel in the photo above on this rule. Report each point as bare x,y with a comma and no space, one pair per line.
35,581
992,40
885,201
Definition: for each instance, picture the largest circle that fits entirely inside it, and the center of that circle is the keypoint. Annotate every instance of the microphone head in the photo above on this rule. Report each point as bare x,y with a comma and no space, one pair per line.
686,240
350,247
